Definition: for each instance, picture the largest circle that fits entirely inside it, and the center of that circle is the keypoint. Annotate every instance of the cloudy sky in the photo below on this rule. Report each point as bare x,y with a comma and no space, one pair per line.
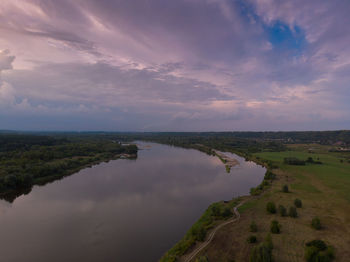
165,65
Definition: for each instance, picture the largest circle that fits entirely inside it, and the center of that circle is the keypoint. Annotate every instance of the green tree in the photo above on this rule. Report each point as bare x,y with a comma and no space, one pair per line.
316,223
293,212
268,241
298,203
261,253
252,239
253,227
318,251
202,259
275,227
285,189
226,212
271,207
282,211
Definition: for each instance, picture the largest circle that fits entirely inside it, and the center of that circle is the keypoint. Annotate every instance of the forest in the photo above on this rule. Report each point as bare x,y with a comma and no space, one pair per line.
29,159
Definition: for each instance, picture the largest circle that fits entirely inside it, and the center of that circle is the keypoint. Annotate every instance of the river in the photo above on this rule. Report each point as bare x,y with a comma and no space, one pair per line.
123,210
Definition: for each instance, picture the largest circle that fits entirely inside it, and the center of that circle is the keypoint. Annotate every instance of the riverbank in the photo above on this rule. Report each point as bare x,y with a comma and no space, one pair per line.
323,190
208,222
28,160
11,194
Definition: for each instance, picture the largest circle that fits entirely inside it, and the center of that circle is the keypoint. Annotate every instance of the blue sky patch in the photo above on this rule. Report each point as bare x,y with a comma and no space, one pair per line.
281,36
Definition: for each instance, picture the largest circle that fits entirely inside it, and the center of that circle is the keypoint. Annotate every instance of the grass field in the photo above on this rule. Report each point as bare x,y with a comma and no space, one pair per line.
325,192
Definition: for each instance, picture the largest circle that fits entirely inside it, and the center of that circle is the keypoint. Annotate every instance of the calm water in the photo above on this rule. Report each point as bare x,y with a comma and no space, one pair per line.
124,210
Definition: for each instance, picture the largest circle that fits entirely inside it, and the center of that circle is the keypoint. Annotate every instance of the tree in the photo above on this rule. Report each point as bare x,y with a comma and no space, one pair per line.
226,212
285,189
261,253
275,227
318,251
271,207
282,211
293,212
253,227
298,203
316,223
252,239
268,241
202,259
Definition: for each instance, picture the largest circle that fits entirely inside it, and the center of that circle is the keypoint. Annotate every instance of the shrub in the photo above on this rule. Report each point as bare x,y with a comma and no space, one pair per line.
316,223
253,227
199,233
265,183
215,209
282,211
309,160
254,191
294,161
285,189
261,253
252,239
292,212
226,212
269,175
202,259
318,251
319,244
271,208
298,203
268,241
275,227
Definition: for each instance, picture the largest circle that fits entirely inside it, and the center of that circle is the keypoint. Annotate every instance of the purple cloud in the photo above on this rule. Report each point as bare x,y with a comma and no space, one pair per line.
175,65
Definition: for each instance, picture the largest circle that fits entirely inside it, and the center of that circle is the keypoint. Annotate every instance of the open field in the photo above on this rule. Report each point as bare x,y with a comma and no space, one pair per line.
325,192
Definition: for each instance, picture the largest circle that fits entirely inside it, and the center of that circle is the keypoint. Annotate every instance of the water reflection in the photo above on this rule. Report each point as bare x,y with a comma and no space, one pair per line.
122,210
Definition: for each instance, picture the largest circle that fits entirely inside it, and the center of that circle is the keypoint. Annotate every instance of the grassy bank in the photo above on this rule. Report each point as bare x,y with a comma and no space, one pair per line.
324,192
216,213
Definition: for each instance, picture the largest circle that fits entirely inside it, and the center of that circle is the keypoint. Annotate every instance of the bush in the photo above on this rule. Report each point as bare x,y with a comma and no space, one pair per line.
253,227
319,244
255,191
252,239
294,161
275,227
261,253
293,212
269,175
271,207
282,211
226,212
316,223
199,233
298,203
265,183
318,251
285,189
202,259
268,241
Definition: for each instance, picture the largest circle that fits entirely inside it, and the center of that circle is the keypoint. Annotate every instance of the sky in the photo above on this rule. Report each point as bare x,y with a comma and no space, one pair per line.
184,65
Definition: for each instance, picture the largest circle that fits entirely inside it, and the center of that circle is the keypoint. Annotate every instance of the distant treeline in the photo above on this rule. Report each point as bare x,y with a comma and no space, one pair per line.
321,137
205,142
28,159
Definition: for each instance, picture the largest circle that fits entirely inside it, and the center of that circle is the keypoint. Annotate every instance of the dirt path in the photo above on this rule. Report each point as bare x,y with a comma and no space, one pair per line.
195,252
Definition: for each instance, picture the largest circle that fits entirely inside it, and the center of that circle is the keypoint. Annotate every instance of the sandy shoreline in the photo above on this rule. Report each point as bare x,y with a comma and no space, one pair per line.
228,161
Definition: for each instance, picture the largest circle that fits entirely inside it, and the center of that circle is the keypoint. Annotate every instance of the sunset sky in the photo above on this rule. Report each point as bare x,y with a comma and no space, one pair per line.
174,65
